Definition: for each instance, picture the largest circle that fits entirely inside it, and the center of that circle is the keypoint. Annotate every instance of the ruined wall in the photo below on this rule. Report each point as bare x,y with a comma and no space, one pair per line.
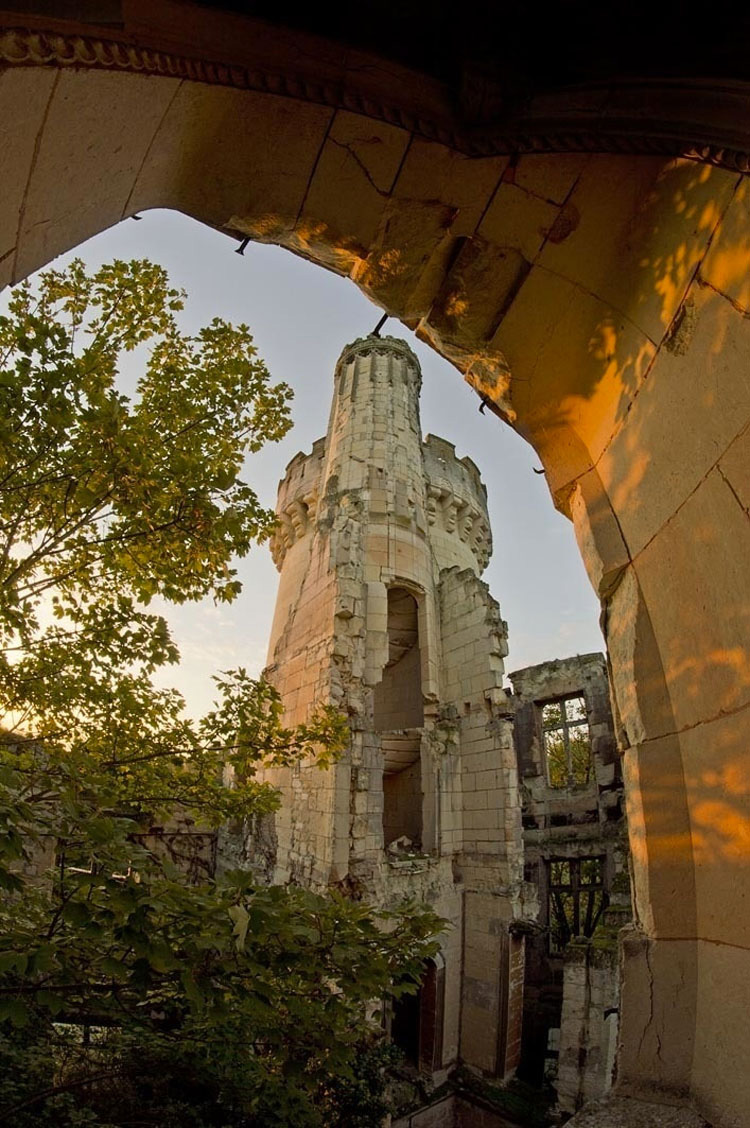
576,856
589,1021
301,667
584,675
483,796
456,508
480,817
381,543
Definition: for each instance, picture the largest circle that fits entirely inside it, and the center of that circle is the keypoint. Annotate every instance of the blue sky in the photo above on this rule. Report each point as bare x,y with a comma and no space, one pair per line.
301,317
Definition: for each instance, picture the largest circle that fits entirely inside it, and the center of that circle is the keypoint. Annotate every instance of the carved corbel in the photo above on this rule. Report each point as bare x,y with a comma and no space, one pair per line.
286,531
310,501
433,500
450,513
297,515
467,517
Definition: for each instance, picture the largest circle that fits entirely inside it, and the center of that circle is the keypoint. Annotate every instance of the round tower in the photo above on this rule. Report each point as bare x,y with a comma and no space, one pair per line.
374,456
381,612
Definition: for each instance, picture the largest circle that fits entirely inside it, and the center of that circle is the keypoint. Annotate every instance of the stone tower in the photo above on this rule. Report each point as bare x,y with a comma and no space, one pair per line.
381,541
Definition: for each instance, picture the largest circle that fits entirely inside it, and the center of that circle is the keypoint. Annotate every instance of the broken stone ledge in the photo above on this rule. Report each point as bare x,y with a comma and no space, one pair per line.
625,1112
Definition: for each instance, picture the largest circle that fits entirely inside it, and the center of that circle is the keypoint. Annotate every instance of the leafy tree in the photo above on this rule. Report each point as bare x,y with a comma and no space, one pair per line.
127,994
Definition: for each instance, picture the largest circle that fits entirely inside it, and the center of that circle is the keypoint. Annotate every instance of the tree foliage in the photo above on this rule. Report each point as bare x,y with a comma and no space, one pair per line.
122,986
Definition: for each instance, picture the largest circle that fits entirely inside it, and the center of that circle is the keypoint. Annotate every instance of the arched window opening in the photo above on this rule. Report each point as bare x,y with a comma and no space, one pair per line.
398,697
398,714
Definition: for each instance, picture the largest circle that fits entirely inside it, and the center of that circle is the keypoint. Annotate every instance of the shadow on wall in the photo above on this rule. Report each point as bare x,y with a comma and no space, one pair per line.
648,439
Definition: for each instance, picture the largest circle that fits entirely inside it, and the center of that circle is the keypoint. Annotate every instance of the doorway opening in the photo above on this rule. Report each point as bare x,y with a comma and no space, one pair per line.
417,1020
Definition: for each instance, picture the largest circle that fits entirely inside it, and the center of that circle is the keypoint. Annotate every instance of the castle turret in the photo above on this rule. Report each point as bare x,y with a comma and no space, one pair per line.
380,544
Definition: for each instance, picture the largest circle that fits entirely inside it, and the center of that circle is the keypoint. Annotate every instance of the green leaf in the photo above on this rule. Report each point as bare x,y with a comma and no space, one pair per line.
114,968
7,961
240,919
53,1003
76,913
14,1011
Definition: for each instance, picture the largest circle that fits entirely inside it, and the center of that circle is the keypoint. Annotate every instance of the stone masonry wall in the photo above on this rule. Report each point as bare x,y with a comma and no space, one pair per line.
480,818
567,825
589,1022
443,794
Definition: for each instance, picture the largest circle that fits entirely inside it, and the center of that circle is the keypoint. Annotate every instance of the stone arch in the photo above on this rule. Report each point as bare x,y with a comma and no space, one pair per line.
598,303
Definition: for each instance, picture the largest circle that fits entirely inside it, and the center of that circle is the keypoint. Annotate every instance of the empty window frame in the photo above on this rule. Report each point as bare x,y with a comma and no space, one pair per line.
567,742
576,899
552,1055
397,699
402,788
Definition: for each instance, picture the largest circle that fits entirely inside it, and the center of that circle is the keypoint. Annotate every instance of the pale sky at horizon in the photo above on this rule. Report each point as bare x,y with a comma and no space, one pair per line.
301,318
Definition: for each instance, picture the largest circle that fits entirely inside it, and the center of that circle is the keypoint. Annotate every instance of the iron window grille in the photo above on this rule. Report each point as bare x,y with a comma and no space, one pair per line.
576,899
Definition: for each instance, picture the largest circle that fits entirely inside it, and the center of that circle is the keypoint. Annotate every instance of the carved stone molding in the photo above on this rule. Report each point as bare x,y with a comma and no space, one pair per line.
292,524
364,346
455,515
23,47
701,120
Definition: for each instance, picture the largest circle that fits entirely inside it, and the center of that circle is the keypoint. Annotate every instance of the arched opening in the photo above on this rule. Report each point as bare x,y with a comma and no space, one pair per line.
398,695
609,326
398,714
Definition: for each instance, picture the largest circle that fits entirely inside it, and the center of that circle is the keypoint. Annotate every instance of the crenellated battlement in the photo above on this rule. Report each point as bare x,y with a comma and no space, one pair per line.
297,500
382,346
456,502
417,485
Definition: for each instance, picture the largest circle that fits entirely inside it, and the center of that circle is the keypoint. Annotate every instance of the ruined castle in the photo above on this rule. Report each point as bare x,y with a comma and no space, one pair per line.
500,807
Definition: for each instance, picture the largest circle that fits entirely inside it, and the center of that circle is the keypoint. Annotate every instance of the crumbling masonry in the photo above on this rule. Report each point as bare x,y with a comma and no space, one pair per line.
381,611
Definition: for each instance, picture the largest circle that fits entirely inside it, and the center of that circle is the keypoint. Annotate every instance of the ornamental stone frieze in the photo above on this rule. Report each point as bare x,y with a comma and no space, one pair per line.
480,117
